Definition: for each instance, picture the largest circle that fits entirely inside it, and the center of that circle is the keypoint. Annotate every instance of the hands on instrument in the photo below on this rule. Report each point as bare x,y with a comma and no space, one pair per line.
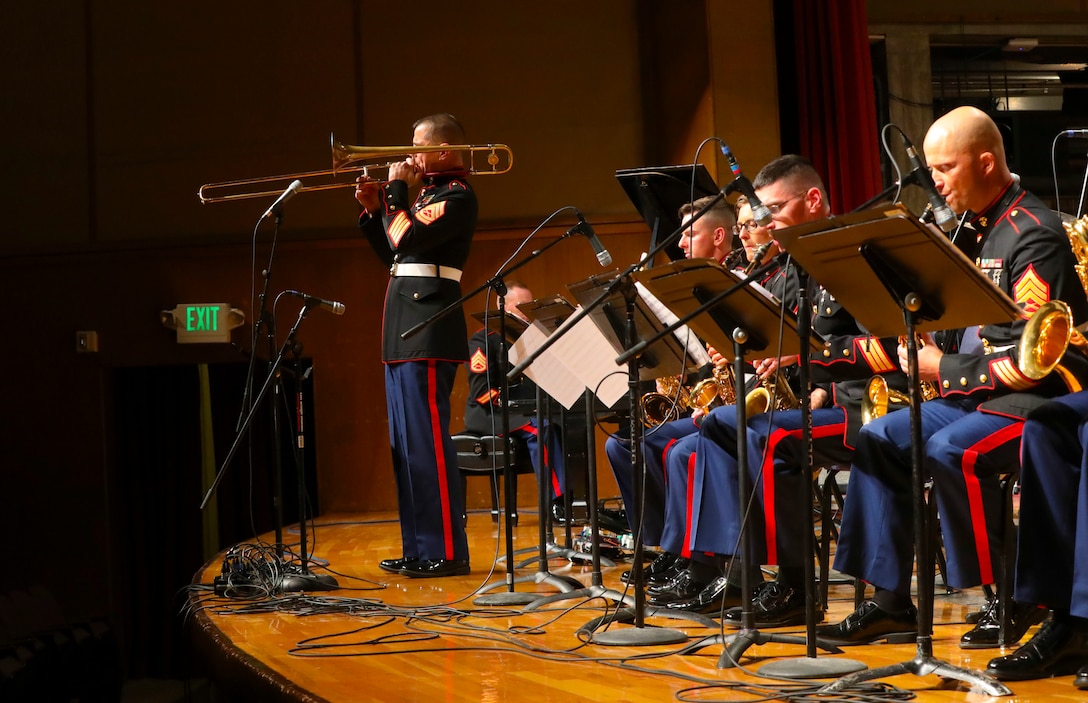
765,368
929,358
407,171
366,192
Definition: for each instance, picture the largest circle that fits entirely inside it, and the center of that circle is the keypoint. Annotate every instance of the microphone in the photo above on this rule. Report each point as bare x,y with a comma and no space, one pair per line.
292,191
335,307
942,214
760,213
583,228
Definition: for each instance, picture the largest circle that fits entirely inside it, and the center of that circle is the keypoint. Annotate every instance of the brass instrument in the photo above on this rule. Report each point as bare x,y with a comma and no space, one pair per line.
500,159
1046,341
665,405
878,396
1078,239
772,390
709,393
1051,341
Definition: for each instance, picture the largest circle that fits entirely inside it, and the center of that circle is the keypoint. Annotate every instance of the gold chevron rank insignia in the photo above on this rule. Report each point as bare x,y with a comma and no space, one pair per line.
478,362
431,213
399,227
1010,375
1031,291
875,356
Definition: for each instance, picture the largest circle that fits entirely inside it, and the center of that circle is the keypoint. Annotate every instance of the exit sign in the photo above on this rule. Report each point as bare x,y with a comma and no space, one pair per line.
202,322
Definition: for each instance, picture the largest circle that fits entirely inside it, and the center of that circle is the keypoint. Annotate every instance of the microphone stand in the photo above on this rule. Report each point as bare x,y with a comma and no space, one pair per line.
305,580
249,410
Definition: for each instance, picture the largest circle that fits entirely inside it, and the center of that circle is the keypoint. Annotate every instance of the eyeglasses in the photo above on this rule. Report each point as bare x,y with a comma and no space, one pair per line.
775,208
741,227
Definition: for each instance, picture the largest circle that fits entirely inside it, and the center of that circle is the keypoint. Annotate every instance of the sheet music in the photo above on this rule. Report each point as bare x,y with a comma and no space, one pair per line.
581,358
692,345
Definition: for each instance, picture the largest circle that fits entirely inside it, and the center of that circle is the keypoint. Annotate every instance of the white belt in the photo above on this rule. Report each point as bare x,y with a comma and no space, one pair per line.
425,271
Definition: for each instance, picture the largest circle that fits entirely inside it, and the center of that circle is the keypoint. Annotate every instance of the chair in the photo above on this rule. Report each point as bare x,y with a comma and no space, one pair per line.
1007,575
484,456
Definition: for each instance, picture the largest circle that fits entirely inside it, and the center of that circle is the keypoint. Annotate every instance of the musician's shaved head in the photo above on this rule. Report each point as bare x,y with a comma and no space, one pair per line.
966,155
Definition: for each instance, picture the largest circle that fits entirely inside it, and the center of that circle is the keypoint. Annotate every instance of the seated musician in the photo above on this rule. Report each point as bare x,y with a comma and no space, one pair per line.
707,237
971,433
483,409
702,469
1052,561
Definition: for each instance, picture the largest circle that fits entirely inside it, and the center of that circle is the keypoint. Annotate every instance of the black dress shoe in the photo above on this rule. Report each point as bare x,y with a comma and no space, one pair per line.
717,595
683,587
433,568
394,566
1059,648
986,633
1081,681
773,605
869,623
660,569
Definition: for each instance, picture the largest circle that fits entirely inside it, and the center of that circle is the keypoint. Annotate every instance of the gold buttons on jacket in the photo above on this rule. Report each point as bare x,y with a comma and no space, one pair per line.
982,378
963,381
946,384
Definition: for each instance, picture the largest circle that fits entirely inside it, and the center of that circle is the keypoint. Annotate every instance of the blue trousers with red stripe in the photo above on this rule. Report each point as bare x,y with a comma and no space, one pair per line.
655,445
529,433
965,451
429,494
778,512
1052,561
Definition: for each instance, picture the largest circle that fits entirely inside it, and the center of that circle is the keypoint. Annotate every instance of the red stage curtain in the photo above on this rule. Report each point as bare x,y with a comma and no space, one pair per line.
835,119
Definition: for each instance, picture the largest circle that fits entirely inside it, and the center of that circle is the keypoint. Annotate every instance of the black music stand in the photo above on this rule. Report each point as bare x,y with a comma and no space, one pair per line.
657,193
511,327
511,596
931,286
548,313
623,315
738,318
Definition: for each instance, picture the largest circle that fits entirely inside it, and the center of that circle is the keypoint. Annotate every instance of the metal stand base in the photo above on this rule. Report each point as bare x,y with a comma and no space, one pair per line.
922,665
565,584
736,645
811,668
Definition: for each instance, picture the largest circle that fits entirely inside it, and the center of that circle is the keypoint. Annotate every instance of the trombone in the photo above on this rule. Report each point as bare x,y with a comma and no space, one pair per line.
352,159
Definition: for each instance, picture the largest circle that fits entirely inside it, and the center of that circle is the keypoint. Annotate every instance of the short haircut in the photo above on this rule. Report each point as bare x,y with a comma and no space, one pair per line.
720,214
790,167
442,128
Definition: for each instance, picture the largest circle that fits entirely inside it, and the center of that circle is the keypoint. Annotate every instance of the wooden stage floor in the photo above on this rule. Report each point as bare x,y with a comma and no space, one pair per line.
385,637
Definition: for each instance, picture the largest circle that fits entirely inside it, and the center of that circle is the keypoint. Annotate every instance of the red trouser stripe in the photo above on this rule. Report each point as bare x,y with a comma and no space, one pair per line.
686,550
440,456
974,495
767,472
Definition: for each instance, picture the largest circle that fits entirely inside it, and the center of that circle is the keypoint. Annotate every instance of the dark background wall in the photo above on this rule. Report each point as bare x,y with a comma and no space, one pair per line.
116,111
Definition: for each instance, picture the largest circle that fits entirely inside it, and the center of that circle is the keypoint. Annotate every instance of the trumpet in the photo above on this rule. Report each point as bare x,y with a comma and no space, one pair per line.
347,159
